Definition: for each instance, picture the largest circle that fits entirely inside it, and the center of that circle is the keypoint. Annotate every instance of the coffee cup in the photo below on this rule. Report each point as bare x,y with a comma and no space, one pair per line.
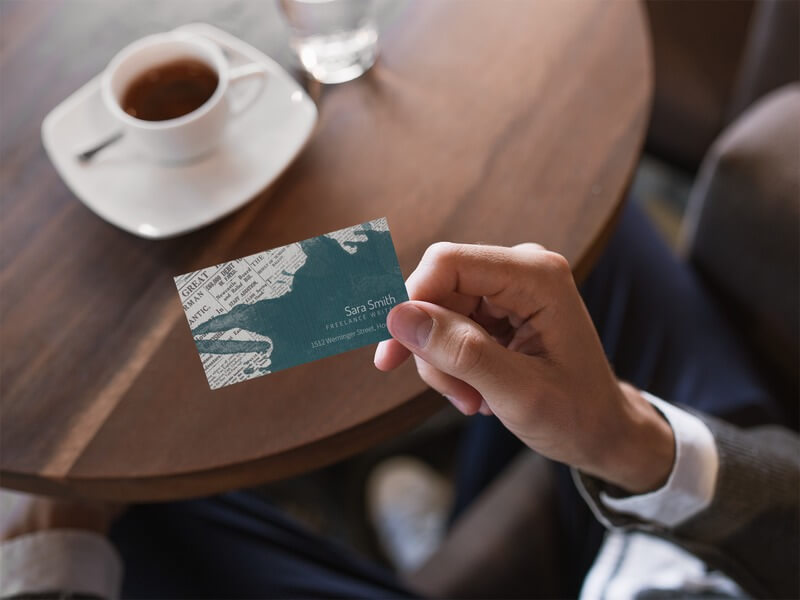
172,119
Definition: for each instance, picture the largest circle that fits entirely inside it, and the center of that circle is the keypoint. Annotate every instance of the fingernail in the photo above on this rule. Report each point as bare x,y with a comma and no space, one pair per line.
379,352
411,325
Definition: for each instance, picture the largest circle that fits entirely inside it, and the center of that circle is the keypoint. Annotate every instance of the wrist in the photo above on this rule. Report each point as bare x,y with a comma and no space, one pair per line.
640,457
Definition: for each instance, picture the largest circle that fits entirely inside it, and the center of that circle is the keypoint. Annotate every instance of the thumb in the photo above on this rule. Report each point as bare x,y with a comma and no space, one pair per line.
453,344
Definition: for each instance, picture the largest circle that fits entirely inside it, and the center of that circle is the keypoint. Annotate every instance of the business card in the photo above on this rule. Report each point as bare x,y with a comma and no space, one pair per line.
294,304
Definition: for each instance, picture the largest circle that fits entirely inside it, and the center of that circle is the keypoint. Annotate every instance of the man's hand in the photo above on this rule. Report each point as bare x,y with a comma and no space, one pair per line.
22,513
504,331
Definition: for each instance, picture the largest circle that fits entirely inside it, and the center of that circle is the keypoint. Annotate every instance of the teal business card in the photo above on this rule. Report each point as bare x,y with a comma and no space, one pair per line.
294,304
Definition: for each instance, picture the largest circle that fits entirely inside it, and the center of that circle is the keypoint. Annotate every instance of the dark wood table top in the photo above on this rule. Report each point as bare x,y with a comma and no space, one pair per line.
497,122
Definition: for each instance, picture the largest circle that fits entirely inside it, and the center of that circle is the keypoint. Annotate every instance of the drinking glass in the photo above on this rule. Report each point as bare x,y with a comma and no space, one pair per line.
335,40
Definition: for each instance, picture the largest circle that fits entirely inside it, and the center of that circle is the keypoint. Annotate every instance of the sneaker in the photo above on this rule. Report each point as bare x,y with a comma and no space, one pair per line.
408,504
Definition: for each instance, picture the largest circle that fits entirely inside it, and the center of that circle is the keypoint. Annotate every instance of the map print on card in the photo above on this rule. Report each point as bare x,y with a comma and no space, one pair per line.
294,304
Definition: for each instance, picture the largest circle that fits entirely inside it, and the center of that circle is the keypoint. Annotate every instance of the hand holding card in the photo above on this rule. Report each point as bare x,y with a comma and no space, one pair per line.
504,330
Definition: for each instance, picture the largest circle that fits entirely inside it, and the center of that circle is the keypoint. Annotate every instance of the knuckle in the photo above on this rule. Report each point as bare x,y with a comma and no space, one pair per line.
528,249
439,252
556,265
468,350
528,254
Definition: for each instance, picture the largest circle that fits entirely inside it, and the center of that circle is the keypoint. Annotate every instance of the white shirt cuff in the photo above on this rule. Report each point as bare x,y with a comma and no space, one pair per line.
64,560
690,487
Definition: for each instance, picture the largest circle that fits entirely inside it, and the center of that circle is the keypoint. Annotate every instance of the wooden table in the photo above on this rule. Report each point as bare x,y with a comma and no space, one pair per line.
497,122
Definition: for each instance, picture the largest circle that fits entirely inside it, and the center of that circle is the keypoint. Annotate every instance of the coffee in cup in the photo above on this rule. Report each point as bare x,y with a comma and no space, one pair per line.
170,90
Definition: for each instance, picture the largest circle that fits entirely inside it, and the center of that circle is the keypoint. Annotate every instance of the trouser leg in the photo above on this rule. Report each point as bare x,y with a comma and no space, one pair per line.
237,545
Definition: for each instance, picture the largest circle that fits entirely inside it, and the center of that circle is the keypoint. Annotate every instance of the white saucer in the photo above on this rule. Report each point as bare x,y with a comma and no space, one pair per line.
155,200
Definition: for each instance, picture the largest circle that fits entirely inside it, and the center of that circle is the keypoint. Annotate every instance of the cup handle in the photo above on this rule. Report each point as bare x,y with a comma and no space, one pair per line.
242,73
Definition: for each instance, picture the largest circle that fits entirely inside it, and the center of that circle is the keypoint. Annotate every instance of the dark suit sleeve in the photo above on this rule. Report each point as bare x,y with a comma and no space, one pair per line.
751,529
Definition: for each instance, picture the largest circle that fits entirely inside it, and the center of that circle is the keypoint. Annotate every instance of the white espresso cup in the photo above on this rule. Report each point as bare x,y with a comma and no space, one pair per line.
197,132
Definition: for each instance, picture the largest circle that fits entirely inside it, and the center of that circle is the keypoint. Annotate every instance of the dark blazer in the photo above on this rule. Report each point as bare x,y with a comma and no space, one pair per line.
751,529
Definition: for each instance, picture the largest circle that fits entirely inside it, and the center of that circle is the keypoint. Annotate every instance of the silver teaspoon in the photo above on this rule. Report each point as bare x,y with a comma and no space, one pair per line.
87,155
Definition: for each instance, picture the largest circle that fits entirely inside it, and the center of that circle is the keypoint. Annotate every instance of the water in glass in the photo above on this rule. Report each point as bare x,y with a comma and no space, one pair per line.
335,40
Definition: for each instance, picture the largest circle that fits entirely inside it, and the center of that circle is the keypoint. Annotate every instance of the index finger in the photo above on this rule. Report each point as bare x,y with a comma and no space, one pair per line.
514,279
459,276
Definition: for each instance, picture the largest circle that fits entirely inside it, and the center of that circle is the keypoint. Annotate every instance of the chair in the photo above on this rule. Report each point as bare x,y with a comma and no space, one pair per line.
712,59
741,233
